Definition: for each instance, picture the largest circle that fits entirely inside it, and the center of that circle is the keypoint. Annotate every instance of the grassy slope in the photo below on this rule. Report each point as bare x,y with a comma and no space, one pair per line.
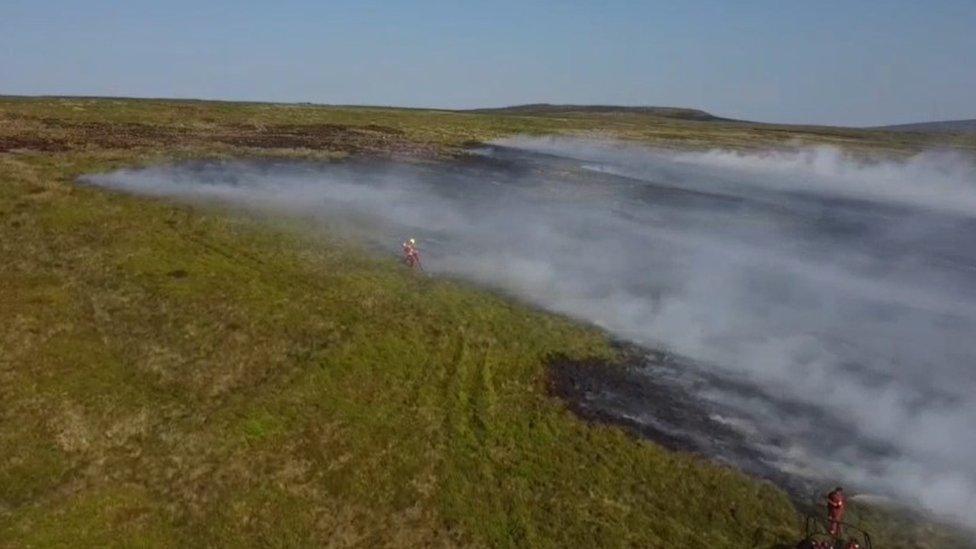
170,376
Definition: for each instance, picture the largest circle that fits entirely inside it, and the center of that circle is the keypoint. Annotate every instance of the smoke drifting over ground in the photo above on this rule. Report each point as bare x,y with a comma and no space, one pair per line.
837,298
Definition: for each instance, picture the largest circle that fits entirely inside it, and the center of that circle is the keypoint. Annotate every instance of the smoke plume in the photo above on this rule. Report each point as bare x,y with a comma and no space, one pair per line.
842,291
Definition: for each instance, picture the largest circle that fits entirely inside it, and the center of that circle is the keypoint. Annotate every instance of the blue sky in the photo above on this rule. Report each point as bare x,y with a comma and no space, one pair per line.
854,62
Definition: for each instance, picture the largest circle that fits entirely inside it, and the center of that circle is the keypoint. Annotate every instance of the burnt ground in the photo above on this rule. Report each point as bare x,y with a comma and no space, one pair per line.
46,134
27,142
656,396
652,394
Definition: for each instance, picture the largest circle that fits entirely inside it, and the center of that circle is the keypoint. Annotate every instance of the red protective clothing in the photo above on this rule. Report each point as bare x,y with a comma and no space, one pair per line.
411,256
836,505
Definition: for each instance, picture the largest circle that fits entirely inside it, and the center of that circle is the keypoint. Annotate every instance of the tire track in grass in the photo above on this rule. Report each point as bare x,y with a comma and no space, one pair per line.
456,396
482,394
470,471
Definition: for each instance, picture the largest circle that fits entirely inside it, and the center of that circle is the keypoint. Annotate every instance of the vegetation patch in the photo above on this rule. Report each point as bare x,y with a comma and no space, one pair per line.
172,376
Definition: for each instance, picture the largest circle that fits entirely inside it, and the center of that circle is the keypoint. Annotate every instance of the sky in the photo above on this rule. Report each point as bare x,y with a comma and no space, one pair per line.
853,62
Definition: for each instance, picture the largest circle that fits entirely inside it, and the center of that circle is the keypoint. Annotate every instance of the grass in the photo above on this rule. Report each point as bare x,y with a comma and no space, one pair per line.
171,376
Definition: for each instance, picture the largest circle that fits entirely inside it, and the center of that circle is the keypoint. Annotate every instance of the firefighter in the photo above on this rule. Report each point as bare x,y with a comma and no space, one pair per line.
411,256
836,505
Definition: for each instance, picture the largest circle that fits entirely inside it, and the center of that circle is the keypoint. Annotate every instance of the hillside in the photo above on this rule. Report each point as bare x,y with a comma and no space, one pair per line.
545,109
945,126
176,376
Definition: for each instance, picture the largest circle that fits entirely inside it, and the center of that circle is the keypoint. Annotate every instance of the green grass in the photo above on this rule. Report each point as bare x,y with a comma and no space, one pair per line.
171,376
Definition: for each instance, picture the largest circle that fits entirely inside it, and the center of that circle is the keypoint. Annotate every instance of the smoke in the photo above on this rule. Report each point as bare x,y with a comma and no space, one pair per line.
841,292
933,180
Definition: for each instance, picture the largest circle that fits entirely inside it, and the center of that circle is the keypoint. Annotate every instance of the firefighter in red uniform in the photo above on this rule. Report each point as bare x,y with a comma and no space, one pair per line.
836,505
411,256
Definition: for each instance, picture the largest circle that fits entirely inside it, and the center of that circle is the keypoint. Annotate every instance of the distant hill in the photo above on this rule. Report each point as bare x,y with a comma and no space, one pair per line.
945,126
677,113
549,109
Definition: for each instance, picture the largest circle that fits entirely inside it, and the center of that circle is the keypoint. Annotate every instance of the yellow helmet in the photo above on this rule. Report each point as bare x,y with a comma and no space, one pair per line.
412,241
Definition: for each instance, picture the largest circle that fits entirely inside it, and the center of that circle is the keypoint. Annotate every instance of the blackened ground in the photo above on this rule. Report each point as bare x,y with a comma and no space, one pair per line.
652,395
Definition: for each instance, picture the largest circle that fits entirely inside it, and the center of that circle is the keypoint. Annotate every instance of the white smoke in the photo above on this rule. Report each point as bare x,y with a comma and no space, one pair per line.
842,285
941,180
